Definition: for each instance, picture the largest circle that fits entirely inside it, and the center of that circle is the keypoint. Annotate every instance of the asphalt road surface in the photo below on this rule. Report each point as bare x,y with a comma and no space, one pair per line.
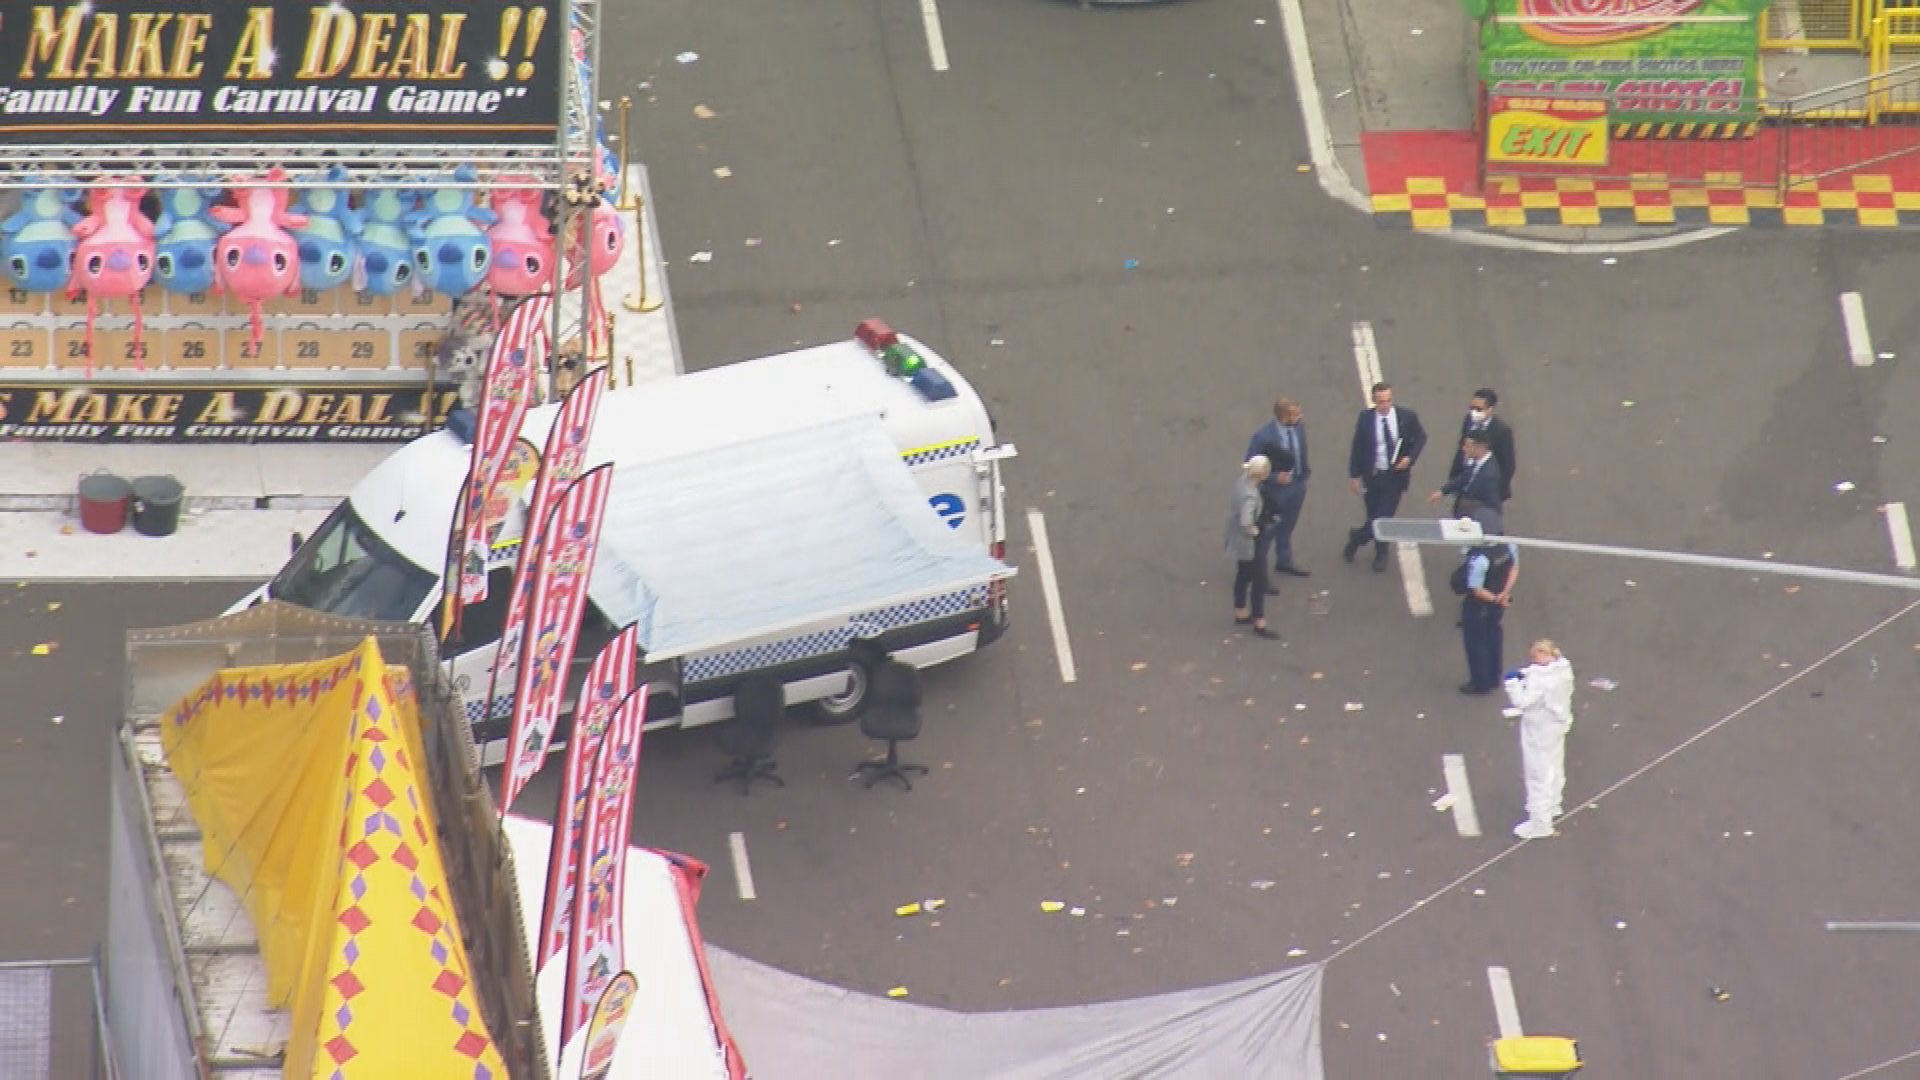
1099,216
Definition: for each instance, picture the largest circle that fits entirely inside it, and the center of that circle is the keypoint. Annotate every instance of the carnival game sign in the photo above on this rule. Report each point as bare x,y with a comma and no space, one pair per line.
1652,61
207,412
482,71
1547,131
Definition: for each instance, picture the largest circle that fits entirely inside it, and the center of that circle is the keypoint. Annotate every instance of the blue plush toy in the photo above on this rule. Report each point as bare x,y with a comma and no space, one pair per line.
185,233
450,251
37,242
386,252
330,241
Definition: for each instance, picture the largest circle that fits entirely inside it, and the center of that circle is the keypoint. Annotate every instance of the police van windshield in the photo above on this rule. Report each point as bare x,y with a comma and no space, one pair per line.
347,570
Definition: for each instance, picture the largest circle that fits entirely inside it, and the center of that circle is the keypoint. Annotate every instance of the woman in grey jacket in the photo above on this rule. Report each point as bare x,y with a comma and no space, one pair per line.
1243,547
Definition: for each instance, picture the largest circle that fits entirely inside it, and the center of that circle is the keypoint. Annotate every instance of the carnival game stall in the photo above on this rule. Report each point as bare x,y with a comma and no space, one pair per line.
291,222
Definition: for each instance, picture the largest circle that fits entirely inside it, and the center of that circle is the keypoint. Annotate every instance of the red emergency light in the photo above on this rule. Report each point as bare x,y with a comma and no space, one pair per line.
875,334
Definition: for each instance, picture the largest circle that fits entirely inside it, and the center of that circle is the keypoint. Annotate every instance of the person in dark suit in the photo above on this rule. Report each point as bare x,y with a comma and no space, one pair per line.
1386,442
1480,417
1477,481
1284,439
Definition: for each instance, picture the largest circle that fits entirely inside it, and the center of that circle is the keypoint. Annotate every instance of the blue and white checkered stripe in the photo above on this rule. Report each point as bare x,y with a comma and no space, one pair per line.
476,709
719,665
946,451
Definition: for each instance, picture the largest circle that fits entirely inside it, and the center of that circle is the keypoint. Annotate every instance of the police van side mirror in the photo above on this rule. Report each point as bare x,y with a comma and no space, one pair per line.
294,542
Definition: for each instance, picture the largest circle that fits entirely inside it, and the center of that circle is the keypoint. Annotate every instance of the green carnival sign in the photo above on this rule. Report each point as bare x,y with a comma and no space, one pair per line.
1655,61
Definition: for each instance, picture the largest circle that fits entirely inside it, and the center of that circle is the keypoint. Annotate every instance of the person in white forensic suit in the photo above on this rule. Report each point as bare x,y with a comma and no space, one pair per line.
1543,693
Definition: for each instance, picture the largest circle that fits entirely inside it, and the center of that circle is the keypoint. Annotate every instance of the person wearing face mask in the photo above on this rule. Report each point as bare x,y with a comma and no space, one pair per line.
1499,437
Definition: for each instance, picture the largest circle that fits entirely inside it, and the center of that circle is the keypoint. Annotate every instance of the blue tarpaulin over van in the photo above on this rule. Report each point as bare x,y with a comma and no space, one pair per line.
761,537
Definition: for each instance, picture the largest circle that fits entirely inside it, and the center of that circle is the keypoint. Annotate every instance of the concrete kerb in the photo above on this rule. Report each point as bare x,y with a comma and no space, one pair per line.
1335,181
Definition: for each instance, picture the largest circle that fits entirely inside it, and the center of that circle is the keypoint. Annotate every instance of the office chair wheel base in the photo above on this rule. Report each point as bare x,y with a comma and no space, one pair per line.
745,773
872,772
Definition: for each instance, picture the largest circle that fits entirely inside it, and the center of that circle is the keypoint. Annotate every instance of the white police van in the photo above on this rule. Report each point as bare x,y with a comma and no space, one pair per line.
800,516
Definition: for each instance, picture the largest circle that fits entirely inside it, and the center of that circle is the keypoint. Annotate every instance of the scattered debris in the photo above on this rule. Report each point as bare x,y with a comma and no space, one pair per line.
1603,683
1717,994
1886,356
919,907
1130,264
700,257
753,241
1879,438
702,112
1052,906
53,605
1303,168
1077,912
1354,706
1608,261
1444,803
1263,884
1620,924
897,992
59,719
1843,486
1185,858
1296,953
1169,900
45,648
997,343
688,58
722,172
1626,404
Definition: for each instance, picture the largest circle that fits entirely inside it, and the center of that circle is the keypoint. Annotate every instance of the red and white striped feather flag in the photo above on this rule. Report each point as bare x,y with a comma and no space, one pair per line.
560,464
609,681
553,622
596,949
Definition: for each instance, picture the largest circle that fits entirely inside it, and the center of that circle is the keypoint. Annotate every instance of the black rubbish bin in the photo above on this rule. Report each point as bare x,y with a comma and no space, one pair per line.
156,505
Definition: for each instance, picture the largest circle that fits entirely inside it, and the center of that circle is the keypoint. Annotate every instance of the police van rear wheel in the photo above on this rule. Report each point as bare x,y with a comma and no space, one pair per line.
846,706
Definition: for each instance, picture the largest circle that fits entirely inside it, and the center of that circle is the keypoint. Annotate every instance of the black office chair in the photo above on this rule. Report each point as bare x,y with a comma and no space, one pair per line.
748,738
893,716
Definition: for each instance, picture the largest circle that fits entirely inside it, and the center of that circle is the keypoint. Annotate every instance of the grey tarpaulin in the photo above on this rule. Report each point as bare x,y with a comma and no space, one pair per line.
793,1028
764,535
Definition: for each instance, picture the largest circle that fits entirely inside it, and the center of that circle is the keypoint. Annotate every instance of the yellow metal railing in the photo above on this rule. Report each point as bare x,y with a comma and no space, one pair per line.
1817,24
1893,42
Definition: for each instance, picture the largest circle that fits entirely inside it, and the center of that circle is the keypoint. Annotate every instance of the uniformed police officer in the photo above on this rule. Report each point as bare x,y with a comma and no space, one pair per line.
1488,576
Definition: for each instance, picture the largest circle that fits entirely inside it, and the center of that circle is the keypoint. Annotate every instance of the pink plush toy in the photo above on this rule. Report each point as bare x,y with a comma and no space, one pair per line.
258,258
522,240
115,254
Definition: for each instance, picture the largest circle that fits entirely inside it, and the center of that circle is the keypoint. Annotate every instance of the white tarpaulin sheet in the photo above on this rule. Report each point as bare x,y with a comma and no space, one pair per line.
671,1031
755,538
792,1028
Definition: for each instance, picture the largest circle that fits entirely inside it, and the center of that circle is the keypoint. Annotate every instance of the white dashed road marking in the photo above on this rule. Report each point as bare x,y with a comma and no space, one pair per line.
1506,1011
1853,317
1465,818
1901,533
1050,587
742,871
1413,573
936,39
